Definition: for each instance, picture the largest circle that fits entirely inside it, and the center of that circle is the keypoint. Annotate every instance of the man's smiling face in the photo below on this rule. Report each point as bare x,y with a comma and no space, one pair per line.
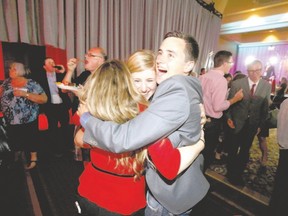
171,59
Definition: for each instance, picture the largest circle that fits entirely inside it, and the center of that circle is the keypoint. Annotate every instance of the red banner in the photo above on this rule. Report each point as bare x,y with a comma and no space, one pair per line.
59,55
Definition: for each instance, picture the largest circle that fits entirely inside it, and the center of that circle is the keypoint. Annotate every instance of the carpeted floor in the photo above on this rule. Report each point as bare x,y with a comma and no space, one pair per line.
255,179
13,191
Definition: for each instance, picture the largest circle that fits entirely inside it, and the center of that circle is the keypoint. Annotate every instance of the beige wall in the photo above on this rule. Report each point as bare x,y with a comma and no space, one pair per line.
227,45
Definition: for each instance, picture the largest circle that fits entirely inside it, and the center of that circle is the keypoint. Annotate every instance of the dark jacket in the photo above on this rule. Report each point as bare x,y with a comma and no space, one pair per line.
43,81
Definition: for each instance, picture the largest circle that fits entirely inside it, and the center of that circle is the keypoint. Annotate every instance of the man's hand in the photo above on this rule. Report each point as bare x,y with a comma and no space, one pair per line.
82,109
230,123
76,92
239,95
72,64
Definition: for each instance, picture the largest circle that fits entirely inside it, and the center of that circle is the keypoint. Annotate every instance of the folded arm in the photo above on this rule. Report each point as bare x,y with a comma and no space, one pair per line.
170,161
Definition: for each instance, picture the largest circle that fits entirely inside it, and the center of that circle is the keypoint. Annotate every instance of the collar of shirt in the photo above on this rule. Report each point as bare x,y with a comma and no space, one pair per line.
55,97
50,74
251,83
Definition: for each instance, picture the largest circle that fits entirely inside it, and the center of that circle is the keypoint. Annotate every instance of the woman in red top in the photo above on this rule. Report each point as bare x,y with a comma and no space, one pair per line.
112,184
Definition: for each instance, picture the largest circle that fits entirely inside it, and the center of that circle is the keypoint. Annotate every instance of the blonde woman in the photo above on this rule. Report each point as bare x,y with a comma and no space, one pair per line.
20,99
112,184
142,67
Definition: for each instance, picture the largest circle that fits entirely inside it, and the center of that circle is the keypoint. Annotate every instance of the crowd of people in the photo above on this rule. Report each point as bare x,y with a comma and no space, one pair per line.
149,127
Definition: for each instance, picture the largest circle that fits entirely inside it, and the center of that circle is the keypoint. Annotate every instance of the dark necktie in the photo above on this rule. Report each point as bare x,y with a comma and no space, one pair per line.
252,90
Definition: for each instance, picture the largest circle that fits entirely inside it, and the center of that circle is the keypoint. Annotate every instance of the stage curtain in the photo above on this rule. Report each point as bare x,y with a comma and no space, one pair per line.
120,27
2,72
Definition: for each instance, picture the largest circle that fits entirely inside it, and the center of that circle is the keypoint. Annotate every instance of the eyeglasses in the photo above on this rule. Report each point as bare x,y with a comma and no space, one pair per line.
255,71
93,55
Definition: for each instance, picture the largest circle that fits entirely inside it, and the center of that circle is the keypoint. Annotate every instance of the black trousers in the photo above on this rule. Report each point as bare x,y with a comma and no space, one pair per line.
279,198
212,129
87,208
238,150
59,137
24,137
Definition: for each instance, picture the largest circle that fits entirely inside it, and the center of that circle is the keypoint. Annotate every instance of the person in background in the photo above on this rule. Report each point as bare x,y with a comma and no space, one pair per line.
20,99
220,153
202,71
112,184
280,94
262,141
229,78
245,119
94,57
278,201
238,75
269,73
264,133
282,89
215,88
165,116
225,138
57,108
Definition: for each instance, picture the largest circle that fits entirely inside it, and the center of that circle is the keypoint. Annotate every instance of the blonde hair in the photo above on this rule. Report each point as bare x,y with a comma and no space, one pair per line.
141,60
109,95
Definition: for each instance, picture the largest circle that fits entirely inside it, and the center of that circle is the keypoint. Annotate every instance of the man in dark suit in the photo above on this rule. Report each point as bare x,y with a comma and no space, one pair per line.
174,112
56,109
245,118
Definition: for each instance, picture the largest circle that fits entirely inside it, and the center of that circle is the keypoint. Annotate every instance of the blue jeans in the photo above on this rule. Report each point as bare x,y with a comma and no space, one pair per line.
154,208
87,208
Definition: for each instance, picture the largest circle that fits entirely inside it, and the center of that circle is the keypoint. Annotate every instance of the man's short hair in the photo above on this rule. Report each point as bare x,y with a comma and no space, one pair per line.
101,51
192,47
48,57
221,57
